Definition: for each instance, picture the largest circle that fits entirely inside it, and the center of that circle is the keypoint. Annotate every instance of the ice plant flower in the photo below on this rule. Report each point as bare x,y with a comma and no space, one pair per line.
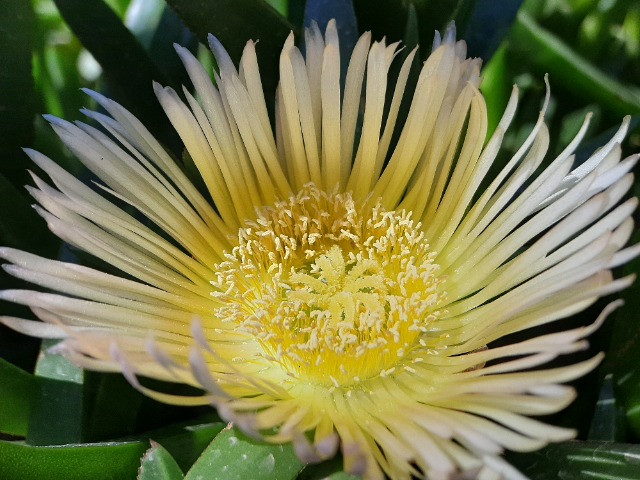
334,288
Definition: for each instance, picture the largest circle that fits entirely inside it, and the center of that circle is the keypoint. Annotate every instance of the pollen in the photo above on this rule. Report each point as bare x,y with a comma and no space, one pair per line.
334,291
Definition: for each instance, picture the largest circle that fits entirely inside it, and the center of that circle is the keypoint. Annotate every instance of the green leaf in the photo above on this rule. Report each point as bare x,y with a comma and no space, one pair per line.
143,19
101,461
169,31
571,123
411,38
607,423
629,387
57,56
233,456
157,28
56,366
580,460
106,461
56,413
188,442
158,464
496,87
17,95
342,476
17,390
58,407
112,406
234,22
625,344
126,66
331,469
486,26
551,55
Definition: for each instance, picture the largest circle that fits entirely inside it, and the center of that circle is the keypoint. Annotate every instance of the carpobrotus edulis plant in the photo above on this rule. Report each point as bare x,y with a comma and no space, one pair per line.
336,291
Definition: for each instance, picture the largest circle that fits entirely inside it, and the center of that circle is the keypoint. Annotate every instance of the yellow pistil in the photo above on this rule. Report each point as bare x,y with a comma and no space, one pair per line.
335,291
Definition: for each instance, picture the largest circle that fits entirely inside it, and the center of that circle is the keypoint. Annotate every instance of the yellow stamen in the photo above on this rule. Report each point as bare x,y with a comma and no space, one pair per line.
334,291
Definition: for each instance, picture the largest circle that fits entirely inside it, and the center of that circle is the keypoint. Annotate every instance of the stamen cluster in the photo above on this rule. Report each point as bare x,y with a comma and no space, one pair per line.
334,292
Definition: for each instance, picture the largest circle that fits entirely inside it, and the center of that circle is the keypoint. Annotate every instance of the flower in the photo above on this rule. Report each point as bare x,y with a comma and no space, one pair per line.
337,289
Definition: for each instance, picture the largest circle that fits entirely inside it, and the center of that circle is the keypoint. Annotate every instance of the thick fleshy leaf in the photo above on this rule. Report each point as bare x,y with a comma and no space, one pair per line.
625,343
607,424
157,28
97,461
488,25
171,30
104,461
57,413
331,469
548,54
17,94
233,456
115,409
629,387
113,406
186,443
143,18
127,67
60,67
56,366
17,390
20,227
158,464
580,460
496,87
342,476
234,22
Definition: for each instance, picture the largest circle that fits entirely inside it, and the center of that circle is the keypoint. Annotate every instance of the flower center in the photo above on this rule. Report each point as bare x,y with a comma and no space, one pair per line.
335,292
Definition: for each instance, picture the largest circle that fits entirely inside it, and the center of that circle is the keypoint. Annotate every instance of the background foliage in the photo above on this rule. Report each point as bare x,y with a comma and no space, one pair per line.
52,48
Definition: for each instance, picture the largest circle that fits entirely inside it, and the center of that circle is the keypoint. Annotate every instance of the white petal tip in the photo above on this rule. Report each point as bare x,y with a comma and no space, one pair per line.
328,447
450,33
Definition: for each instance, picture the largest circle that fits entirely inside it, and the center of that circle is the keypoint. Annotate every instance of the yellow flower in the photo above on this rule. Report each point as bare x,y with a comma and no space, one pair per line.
336,291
